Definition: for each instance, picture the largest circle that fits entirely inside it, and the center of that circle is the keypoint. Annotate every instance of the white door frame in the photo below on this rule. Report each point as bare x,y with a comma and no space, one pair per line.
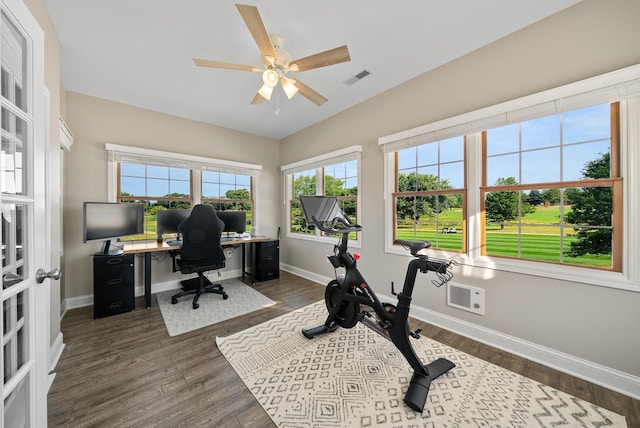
37,253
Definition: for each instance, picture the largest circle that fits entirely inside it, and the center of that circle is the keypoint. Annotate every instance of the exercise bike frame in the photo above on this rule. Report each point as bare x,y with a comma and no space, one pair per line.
393,324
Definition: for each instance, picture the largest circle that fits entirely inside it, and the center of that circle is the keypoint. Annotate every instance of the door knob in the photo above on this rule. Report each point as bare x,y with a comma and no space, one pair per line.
41,275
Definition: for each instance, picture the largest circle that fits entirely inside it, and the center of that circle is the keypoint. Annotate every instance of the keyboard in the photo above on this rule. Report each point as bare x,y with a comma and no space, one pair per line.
174,242
228,238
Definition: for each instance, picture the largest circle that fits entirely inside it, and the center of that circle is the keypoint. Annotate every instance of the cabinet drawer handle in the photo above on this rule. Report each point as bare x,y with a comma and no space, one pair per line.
114,261
114,281
115,305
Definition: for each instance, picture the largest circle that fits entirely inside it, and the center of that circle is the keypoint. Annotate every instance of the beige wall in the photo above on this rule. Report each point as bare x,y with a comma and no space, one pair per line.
52,82
97,121
591,38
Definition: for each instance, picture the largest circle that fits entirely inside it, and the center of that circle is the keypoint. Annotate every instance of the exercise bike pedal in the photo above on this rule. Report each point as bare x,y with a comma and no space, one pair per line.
416,334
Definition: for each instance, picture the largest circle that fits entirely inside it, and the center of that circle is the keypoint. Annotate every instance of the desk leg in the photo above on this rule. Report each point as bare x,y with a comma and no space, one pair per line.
147,279
244,257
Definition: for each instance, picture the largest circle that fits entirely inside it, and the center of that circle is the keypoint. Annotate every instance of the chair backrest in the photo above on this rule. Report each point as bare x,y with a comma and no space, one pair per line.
201,233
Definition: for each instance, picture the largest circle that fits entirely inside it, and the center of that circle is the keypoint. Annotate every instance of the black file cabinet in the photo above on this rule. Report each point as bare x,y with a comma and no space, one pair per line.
113,291
265,260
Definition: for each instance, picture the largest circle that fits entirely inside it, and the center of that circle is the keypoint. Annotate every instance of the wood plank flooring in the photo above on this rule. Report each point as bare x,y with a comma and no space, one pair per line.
126,371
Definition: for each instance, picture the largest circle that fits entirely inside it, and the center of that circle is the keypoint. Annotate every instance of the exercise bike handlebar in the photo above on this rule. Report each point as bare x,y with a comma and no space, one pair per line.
336,225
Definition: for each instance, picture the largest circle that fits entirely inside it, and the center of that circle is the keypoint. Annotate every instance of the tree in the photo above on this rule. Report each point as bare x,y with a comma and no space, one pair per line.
154,210
591,206
304,185
535,197
237,195
420,206
552,196
502,206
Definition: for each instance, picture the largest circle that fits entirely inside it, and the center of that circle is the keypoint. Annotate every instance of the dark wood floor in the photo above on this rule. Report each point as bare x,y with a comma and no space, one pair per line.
126,371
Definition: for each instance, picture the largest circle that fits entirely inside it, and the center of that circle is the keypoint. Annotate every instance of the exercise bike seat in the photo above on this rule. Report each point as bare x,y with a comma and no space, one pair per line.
413,246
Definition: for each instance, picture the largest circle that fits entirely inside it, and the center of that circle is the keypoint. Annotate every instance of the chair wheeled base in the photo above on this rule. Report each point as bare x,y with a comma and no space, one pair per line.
197,286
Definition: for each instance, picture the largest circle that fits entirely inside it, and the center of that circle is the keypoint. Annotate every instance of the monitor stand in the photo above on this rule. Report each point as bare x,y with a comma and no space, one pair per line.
105,251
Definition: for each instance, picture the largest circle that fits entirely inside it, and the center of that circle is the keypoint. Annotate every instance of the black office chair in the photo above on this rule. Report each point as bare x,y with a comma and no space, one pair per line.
201,252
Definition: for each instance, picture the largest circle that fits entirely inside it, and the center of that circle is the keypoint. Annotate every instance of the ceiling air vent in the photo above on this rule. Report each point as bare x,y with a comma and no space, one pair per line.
351,80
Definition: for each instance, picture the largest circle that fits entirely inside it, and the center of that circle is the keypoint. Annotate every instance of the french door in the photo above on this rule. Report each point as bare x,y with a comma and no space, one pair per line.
24,324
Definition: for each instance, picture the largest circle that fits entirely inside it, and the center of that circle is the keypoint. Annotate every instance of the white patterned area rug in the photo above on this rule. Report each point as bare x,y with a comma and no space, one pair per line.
356,378
181,317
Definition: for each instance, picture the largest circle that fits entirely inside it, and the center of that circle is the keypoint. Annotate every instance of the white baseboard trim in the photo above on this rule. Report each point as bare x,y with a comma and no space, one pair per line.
50,378
63,309
55,352
598,374
158,287
311,276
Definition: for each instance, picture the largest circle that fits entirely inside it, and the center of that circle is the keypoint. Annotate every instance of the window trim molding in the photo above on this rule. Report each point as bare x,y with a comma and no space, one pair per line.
338,156
191,161
180,160
342,155
614,86
621,85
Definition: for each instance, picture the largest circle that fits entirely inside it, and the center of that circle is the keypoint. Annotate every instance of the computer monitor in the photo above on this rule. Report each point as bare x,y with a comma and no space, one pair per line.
167,221
234,221
104,221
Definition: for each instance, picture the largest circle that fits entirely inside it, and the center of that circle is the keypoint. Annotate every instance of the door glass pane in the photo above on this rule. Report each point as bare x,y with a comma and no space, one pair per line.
12,155
13,262
15,344
16,411
14,51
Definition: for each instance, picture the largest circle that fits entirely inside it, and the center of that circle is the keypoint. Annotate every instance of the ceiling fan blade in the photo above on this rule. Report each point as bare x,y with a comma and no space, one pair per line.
254,22
225,65
322,59
309,93
258,99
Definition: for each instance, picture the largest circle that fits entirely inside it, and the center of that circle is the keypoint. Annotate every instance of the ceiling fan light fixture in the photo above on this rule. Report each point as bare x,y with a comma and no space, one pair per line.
289,87
270,78
266,91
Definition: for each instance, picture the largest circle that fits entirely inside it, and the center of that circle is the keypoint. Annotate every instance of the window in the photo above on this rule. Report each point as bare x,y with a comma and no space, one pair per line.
549,185
429,195
163,180
334,174
304,184
228,191
158,187
550,188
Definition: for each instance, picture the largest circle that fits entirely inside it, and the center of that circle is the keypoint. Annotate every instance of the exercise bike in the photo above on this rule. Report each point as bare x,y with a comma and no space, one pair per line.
345,295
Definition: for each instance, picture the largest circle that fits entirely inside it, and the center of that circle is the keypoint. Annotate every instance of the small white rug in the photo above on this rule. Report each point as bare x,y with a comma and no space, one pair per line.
356,378
181,317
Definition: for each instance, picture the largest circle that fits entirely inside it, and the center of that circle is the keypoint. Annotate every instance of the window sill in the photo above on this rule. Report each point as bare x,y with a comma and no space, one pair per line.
577,274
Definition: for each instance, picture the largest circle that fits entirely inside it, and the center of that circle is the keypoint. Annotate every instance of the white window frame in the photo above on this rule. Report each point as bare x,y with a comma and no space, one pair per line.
622,86
317,163
119,153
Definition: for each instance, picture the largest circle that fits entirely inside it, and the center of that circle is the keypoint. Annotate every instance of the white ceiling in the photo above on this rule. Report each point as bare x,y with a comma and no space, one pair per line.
139,52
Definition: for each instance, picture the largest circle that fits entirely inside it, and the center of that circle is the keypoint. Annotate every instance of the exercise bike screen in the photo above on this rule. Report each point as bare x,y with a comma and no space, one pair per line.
323,208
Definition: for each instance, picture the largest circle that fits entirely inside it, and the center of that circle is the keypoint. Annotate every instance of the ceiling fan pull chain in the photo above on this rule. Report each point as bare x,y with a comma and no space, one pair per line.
277,103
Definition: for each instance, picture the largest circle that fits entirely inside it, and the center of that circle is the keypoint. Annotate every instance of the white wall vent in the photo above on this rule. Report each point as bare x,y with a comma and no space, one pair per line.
465,297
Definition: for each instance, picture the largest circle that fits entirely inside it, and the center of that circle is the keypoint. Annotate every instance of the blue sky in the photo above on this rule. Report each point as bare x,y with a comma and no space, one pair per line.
548,149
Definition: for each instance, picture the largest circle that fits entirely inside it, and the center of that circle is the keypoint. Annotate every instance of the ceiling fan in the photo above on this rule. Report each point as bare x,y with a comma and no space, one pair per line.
277,63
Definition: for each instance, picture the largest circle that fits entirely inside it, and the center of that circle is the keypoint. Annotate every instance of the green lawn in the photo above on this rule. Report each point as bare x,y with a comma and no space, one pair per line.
540,238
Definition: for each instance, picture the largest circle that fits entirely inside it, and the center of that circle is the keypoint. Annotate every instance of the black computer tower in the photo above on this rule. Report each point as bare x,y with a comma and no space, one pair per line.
265,260
113,290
